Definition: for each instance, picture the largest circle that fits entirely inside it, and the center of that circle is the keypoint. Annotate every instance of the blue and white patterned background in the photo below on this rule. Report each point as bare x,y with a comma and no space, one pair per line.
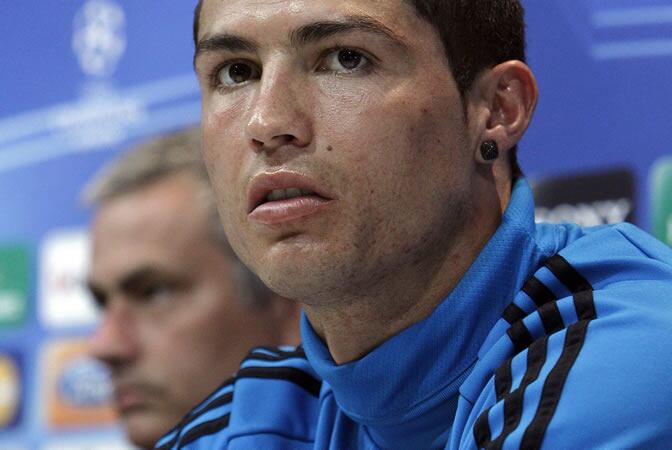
603,68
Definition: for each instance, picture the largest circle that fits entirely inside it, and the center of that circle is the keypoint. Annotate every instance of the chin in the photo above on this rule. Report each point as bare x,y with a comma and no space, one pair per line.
307,283
145,430
143,441
303,268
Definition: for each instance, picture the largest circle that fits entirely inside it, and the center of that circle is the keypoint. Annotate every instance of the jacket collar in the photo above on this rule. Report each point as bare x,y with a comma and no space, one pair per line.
405,390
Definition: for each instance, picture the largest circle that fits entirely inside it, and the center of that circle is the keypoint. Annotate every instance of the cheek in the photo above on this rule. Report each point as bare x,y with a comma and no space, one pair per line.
218,325
394,132
223,126
403,154
223,153
342,103
197,320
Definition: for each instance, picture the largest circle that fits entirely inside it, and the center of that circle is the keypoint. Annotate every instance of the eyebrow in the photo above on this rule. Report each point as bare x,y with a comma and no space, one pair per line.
131,281
317,31
224,42
137,278
306,34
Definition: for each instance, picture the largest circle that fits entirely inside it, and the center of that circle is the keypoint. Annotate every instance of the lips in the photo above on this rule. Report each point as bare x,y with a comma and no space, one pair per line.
284,196
129,397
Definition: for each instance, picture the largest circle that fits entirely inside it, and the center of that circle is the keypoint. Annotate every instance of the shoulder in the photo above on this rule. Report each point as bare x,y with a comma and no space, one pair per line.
581,356
207,422
251,409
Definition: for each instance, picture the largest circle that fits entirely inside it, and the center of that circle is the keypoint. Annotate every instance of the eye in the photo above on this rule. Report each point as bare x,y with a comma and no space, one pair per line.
99,298
236,73
97,294
151,292
344,60
156,293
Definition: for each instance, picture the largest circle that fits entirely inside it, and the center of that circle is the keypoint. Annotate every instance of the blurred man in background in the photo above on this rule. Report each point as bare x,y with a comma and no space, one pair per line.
179,310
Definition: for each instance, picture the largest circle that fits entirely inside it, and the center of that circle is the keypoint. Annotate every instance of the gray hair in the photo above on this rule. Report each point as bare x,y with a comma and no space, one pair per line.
154,160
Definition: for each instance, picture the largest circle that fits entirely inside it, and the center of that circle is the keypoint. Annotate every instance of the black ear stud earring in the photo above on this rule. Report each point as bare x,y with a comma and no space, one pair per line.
489,150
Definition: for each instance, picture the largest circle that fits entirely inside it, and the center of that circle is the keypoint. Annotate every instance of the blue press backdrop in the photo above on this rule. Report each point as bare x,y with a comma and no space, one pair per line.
82,79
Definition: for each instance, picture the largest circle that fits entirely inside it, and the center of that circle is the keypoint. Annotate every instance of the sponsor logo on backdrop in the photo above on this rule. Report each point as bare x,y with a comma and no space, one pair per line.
99,38
78,390
10,390
587,214
103,115
14,282
83,384
64,300
625,29
587,199
661,199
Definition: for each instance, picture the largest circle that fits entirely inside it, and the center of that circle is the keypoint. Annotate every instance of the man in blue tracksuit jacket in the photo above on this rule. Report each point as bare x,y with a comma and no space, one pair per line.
363,158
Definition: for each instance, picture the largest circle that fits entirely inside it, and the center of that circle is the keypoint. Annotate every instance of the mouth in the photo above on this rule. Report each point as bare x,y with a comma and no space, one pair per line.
129,398
282,196
286,194
281,186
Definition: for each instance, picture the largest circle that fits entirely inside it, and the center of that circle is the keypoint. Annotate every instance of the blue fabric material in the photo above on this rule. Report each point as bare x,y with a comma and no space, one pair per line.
606,364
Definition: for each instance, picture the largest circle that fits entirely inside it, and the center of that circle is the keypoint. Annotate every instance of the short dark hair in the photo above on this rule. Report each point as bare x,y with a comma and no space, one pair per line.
476,35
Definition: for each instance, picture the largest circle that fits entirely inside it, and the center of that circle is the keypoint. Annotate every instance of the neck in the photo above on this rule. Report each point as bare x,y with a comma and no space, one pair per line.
353,326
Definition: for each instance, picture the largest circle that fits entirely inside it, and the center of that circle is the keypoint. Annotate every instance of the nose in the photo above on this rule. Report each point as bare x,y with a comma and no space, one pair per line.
280,115
114,341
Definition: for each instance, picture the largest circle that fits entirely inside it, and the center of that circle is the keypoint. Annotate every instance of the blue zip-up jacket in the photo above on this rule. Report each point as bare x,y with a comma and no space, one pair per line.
556,337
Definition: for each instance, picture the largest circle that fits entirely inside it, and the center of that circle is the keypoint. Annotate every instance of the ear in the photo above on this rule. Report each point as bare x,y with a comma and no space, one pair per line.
503,99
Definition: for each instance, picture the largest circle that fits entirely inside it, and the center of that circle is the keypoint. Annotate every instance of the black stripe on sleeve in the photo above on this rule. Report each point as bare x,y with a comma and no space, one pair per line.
552,389
205,429
168,445
259,356
551,317
212,397
520,336
538,292
482,430
219,401
584,305
291,374
298,351
513,403
545,299
207,405
567,274
277,354
513,313
581,289
216,403
503,380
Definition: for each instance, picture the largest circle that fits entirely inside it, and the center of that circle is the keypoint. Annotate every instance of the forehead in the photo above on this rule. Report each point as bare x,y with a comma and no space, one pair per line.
252,16
159,205
158,221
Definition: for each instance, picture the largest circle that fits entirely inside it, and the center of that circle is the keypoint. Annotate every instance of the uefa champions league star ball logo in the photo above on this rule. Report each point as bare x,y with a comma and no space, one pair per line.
99,38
